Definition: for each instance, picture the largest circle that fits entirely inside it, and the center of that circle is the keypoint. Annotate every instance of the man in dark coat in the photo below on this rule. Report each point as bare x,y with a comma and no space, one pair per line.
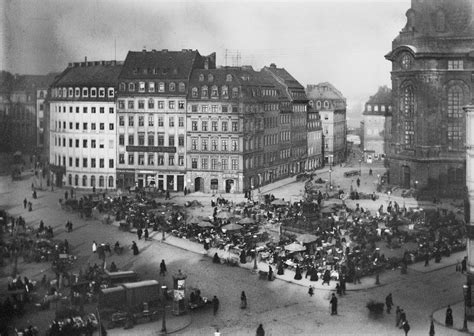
162,267
449,317
135,248
260,331
333,304
139,233
215,304
389,302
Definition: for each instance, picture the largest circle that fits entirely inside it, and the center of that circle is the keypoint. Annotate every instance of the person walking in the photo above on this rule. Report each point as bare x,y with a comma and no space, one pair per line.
162,267
139,233
260,330
406,327
358,182
389,302
449,317
333,303
243,300
135,248
311,290
215,304
25,202
432,330
146,234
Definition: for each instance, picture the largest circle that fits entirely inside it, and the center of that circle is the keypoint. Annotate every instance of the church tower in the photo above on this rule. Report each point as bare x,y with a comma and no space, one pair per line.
432,67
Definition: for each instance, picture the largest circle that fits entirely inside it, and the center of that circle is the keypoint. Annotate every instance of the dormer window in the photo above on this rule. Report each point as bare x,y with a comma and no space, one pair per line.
77,92
93,92
111,92
201,78
172,87
214,91
85,92
369,108
161,87
181,87
131,86
151,86
204,92
326,104
210,78
101,92
123,87
228,78
235,92
141,87
318,104
225,91
70,92
194,92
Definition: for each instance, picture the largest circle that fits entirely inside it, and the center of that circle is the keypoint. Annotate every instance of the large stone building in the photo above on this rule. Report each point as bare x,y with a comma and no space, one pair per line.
153,86
331,105
82,125
432,62
377,124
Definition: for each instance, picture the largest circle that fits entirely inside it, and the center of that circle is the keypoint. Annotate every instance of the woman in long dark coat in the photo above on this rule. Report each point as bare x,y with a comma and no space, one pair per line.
449,317
134,248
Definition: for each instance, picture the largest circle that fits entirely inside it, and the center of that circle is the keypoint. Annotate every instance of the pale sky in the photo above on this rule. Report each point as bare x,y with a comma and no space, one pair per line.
339,41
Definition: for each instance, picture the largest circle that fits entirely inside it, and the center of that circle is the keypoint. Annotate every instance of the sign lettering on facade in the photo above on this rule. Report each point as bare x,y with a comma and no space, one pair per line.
155,149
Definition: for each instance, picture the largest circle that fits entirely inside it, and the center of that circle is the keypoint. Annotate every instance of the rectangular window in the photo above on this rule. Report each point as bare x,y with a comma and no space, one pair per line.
235,109
77,162
194,108
84,143
204,108
111,110
170,160
225,126
102,126
225,164
160,122
214,145
92,163
102,109
141,159
151,139
171,104
213,164
194,143
111,126
101,143
161,140
93,109
204,163
181,105
131,139
70,125
84,109
70,162
161,160
235,126
131,159
77,109
141,104
93,143
180,121
121,158
171,140
204,145
101,163
141,121
141,87
77,143
194,163
455,65
214,108
194,125
235,164
141,139
204,125
180,160
181,140
224,145
131,120
121,140
121,121
151,103
234,145
111,163
84,126
214,126
93,126
131,104
224,108
171,121
161,104
70,142
77,126
84,162
151,86
151,159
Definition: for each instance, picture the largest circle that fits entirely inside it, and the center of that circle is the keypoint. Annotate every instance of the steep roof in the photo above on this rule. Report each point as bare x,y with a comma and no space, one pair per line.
33,82
90,74
162,64
383,96
288,84
324,90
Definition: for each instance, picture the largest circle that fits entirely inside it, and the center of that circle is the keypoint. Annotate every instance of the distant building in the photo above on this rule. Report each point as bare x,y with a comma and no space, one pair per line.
331,105
151,109
315,140
82,125
377,124
431,82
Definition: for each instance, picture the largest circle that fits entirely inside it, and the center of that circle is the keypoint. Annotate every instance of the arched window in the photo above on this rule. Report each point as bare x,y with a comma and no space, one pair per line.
235,92
111,181
84,180
210,77
194,92
101,181
122,87
76,180
318,104
225,91
214,91
69,179
181,87
172,87
92,181
326,104
201,77
131,86
455,117
408,113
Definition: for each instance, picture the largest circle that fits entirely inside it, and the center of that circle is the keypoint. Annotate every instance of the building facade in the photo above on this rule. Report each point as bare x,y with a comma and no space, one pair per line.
82,125
331,105
431,81
377,125
153,86
315,140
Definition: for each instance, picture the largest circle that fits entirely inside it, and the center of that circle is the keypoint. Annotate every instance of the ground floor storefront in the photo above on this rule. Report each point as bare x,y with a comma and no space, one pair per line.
212,182
161,180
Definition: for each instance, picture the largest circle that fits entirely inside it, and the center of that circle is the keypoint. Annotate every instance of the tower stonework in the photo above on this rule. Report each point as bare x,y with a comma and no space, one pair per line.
432,64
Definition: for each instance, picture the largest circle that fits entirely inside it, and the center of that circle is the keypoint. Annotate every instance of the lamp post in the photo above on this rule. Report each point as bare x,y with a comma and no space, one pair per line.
163,238
389,192
163,324
255,267
330,171
360,171
465,290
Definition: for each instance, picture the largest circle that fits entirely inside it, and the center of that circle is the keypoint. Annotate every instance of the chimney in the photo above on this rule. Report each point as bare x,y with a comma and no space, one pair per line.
85,60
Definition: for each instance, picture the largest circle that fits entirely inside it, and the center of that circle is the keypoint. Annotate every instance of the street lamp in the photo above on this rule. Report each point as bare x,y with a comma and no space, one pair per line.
330,171
416,185
255,267
163,238
465,290
389,192
163,324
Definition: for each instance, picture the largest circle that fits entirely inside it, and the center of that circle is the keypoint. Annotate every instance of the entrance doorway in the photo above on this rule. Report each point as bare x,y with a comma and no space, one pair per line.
406,177
180,182
170,182
229,186
198,184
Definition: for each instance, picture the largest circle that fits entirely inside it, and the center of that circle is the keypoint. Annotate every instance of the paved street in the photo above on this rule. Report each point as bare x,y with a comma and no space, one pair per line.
282,307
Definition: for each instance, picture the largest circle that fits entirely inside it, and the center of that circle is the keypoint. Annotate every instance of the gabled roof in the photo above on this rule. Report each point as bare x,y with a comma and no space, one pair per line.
383,96
286,82
90,74
162,64
324,90
33,82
